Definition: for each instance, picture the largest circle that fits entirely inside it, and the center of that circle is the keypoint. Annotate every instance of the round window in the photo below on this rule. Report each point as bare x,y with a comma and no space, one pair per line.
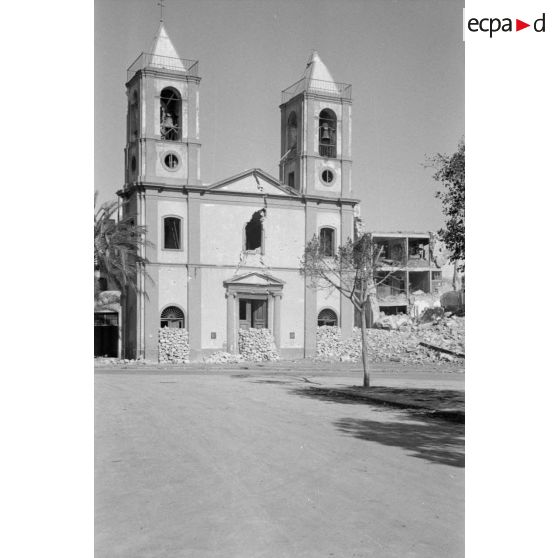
171,161
328,176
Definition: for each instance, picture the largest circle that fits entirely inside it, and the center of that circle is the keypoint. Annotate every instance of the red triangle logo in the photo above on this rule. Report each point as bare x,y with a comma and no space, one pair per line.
519,25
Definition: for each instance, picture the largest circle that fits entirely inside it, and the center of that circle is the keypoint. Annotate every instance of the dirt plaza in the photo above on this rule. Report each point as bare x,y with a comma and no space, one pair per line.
267,462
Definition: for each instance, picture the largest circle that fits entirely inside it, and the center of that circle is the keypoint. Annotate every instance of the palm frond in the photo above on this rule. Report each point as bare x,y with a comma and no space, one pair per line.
118,247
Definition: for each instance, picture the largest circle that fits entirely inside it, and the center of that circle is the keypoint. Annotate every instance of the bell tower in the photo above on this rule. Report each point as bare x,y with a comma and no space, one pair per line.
316,133
162,136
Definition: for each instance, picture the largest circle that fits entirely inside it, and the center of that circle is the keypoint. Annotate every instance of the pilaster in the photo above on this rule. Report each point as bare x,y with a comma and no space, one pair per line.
347,308
277,320
310,295
231,320
194,275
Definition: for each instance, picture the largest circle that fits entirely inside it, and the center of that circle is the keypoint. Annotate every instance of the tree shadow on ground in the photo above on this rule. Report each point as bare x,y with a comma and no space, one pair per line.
431,439
434,398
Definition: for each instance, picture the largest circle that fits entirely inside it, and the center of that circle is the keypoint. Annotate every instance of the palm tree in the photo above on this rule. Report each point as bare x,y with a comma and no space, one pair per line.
118,248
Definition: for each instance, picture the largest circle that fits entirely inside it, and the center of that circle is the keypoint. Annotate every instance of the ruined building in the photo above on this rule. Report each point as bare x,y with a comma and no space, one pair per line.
413,268
226,256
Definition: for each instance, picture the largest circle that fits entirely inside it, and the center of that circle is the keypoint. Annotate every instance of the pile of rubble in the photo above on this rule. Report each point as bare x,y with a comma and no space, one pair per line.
222,357
173,345
397,322
400,340
256,345
131,362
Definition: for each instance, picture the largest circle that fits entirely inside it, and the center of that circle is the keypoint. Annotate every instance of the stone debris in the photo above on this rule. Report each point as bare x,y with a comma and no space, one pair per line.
431,314
397,321
222,357
397,344
256,345
112,361
421,301
173,345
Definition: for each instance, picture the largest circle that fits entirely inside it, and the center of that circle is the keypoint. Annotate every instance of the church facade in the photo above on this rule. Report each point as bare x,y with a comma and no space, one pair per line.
226,256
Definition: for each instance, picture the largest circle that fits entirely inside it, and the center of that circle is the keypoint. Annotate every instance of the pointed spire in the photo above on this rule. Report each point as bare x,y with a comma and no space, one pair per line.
316,69
317,79
317,76
162,45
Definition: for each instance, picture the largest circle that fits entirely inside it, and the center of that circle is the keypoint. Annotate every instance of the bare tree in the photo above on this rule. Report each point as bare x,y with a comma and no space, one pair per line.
353,271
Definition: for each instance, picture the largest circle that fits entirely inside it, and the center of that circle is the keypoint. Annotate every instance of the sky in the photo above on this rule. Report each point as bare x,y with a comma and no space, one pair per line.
404,59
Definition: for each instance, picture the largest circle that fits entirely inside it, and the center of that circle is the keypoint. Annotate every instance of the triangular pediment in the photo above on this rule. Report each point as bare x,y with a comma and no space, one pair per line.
254,181
255,278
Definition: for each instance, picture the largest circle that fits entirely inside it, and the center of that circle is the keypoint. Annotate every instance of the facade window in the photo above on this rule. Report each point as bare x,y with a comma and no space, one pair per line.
170,114
171,226
171,161
254,232
292,127
106,319
327,317
436,275
134,116
292,179
328,176
327,241
327,134
172,316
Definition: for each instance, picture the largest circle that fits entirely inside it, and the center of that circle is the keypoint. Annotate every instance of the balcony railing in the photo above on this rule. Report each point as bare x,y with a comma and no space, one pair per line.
328,150
319,87
167,63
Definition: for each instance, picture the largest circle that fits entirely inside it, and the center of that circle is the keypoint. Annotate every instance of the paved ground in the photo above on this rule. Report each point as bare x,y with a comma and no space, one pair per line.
246,464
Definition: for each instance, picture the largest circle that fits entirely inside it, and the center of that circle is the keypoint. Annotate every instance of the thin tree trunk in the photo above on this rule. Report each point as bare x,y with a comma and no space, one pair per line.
366,378
454,280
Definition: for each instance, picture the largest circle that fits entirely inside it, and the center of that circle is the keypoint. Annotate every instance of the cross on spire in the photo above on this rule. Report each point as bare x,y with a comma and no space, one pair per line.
162,4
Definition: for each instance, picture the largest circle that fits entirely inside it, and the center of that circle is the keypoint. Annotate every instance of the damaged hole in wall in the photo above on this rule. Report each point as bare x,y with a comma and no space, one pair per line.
253,231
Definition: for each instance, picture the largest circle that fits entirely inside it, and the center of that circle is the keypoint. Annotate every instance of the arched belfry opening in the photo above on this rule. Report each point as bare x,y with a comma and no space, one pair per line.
170,114
327,133
134,116
292,130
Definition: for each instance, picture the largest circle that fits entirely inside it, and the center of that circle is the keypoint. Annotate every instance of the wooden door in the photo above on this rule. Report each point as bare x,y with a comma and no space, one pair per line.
259,314
244,314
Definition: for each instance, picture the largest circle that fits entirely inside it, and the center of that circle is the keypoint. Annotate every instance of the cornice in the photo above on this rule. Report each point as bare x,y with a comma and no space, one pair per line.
204,191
